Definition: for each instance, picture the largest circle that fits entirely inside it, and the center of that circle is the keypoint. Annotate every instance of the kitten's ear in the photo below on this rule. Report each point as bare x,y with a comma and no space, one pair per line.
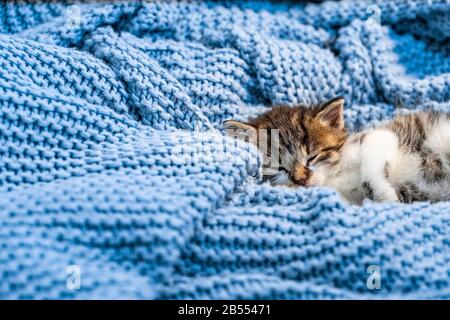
333,113
241,130
232,124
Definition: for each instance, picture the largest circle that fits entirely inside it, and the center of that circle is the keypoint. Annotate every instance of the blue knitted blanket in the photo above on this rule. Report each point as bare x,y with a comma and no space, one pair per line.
116,180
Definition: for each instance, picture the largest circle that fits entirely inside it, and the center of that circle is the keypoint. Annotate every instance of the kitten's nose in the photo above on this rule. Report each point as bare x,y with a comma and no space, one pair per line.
301,175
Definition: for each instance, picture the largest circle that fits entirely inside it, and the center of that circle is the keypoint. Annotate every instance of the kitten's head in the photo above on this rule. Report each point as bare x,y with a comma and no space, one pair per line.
309,141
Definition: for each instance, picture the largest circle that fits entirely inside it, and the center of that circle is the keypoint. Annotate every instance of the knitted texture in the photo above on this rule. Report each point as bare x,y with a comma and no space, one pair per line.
113,164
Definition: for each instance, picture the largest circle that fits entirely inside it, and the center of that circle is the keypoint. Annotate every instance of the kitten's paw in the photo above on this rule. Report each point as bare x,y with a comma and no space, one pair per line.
379,193
390,196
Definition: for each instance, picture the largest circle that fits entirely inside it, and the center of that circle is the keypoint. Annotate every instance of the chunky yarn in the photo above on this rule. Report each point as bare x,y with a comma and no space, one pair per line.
116,180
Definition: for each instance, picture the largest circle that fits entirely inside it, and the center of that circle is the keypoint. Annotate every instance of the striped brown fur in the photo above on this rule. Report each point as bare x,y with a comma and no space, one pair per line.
409,193
412,129
304,133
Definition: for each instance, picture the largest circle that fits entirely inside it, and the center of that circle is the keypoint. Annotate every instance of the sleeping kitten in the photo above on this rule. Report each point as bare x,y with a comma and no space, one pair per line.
403,160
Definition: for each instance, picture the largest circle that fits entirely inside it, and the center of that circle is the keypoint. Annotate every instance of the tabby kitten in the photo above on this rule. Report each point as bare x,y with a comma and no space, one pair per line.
404,160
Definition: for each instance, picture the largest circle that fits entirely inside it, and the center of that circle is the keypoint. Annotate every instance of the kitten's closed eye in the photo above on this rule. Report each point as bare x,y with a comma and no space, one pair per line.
326,154
312,158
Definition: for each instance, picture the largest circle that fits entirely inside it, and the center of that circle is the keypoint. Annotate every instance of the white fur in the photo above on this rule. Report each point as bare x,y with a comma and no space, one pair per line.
439,140
281,178
378,148
366,161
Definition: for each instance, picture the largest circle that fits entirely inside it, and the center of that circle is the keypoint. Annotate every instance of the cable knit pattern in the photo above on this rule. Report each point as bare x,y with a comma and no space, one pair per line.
112,157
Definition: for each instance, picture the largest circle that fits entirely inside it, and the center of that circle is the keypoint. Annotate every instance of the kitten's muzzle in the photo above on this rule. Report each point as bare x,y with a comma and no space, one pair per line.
301,175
